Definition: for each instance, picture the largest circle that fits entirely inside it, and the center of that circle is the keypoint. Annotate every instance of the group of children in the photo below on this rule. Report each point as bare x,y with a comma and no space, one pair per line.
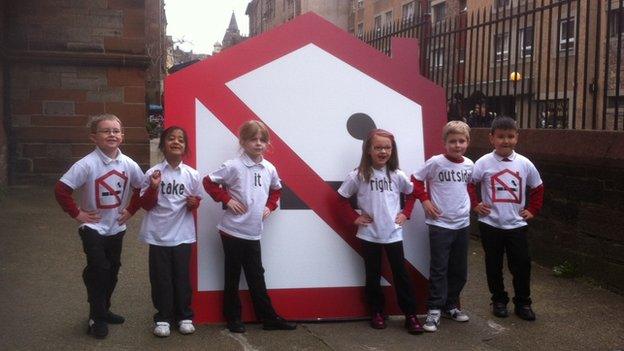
249,188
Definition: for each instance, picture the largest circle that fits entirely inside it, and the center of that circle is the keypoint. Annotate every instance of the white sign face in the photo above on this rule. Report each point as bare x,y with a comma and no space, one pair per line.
307,98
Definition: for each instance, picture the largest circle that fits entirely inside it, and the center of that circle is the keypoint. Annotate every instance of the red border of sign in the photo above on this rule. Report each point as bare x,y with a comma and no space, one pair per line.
399,72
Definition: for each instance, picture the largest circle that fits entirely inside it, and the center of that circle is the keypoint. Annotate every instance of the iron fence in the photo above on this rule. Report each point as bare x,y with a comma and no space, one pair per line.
547,63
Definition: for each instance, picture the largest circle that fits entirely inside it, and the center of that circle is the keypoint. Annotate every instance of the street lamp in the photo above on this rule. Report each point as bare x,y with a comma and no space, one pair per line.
515,77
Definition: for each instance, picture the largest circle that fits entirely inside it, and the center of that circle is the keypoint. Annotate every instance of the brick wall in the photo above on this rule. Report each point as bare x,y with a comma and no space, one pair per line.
583,216
71,60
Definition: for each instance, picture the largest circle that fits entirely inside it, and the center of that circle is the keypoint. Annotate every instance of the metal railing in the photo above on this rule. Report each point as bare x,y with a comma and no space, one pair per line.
547,63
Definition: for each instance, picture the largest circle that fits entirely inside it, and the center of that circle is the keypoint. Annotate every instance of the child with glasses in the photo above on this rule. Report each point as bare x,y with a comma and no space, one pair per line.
106,179
378,184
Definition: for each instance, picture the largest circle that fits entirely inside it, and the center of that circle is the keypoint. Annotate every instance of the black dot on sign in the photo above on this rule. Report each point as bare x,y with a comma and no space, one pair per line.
359,124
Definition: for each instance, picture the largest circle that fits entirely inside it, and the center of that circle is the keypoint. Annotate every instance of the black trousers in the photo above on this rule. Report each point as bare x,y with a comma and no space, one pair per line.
448,266
245,254
171,286
100,275
372,253
496,242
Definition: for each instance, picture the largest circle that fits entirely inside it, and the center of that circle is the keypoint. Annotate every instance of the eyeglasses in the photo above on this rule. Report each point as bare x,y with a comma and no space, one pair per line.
382,148
109,131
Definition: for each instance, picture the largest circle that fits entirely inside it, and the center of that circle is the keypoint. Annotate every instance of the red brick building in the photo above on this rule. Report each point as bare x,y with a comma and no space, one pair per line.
64,61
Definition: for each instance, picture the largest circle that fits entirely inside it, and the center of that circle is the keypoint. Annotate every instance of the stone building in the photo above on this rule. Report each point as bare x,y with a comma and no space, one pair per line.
266,14
64,61
232,35
375,15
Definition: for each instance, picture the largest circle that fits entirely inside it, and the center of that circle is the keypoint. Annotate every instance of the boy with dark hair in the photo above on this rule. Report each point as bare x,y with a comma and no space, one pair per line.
504,176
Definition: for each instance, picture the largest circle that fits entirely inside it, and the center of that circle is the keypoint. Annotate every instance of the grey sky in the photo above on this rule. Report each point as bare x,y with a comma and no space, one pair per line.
203,22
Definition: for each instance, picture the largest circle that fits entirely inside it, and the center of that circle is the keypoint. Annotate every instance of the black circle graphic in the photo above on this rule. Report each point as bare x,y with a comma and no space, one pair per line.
359,124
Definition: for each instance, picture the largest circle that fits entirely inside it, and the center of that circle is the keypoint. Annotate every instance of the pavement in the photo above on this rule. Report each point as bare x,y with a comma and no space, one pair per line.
43,302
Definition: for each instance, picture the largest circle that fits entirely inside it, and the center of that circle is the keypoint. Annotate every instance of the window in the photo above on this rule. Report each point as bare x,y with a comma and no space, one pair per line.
554,114
269,9
616,23
378,23
501,4
566,34
463,5
439,12
360,30
501,46
438,57
408,11
388,18
525,40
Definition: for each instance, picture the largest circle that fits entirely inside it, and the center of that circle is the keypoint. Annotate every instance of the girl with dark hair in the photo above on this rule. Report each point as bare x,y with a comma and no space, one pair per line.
169,229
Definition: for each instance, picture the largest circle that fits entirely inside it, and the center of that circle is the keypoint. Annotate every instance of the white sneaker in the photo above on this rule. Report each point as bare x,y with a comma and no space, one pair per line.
186,326
432,321
456,314
162,329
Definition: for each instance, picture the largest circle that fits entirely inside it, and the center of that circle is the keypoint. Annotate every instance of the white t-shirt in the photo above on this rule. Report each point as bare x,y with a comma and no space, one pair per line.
249,183
447,185
105,186
380,199
503,187
170,223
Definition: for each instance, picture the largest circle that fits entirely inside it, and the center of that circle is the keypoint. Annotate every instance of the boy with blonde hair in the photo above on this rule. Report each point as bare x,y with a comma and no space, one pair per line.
105,178
443,187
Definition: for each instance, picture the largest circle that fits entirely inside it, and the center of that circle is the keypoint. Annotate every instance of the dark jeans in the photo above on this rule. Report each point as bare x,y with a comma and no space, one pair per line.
100,275
246,254
171,286
496,242
448,266
372,253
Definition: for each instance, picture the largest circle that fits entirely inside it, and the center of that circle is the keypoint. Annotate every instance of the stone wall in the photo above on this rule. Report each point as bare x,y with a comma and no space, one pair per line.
70,60
583,216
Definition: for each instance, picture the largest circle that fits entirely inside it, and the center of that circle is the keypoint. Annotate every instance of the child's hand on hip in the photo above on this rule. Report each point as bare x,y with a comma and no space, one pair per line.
431,211
236,207
482,209
400,219
363,220
88,217
526,214
266,213
125,216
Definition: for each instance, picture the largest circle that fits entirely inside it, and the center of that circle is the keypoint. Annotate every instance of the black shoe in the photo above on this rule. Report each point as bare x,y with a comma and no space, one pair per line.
112,318
99,329
499,309
278,323
236,326
525,312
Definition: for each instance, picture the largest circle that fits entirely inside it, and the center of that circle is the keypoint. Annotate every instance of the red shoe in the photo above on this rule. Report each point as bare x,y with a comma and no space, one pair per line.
412,325
378,321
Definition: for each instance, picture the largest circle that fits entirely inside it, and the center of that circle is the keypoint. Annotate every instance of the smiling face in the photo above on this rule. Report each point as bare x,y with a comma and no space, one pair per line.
380,151
504,141
175,144
255,146
456,145
107,137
